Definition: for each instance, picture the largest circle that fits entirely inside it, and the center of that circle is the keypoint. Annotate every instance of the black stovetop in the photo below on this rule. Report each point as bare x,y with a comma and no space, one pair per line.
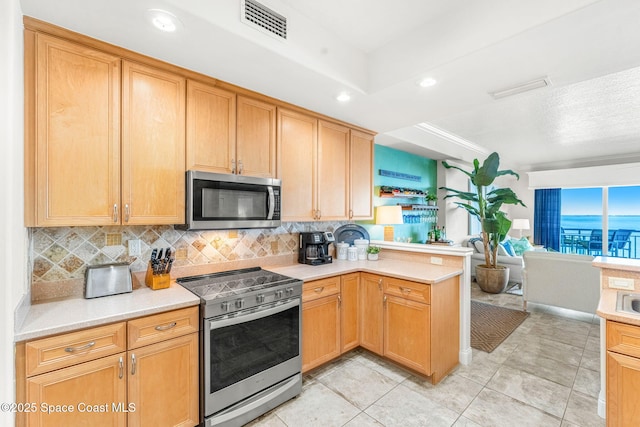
235,283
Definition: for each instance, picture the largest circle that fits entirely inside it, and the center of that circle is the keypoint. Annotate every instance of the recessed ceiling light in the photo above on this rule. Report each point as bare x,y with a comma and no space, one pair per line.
163,20
343,97
427,82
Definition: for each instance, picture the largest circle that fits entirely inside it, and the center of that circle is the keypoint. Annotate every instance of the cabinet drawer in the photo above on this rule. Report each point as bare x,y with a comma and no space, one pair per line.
64,350
411,290
623,338
160,327
320,288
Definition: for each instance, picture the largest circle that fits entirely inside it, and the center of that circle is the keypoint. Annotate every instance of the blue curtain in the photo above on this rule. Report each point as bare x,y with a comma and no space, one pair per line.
546,219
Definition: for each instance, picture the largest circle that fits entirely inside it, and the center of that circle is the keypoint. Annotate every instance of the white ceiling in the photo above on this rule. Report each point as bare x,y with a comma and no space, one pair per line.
378,50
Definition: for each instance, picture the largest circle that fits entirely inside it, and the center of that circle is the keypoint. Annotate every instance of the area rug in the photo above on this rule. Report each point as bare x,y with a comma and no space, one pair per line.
491,324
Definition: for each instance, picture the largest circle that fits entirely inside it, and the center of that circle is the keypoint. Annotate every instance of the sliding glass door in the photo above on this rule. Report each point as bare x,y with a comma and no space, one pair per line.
601,221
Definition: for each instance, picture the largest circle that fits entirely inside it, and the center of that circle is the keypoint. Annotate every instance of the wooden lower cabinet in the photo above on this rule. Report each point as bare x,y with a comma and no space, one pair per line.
80,395
350,304
414,324
623,374
371,314
163,383
407,333
155,384
320,344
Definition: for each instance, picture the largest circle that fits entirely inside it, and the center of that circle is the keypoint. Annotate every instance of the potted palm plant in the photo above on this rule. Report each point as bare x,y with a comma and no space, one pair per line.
485,204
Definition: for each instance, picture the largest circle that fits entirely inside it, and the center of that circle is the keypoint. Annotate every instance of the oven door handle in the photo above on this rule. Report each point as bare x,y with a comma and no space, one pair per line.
272,202
215,324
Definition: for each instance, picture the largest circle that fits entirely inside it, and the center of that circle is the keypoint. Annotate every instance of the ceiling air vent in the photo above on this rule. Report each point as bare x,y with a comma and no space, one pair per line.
265,19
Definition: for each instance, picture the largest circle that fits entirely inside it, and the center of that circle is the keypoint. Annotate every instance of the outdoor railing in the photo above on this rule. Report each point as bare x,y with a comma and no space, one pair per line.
577,241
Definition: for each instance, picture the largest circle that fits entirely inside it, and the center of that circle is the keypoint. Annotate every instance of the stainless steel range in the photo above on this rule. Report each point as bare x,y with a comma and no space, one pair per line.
250,357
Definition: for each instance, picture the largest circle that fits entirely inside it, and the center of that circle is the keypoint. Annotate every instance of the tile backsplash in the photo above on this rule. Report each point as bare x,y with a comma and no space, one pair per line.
63,253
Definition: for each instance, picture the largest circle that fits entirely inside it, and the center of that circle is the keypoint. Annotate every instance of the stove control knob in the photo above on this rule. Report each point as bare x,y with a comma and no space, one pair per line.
289,291
260,298
239,303
279,294
225,306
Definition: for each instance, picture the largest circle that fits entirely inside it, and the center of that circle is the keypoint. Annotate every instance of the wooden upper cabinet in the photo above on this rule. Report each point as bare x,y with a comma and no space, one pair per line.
72,133
256,138
153,146
211,128
361,175
297,152
333,172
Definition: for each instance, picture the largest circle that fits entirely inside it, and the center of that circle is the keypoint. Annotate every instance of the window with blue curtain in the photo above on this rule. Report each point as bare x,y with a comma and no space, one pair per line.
547,216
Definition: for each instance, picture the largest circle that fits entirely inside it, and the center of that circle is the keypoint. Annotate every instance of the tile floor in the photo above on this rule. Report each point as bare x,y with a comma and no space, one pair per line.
546,373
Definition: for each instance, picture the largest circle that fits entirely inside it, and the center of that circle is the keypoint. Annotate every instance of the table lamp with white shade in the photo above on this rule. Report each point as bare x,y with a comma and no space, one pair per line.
389,216
520,224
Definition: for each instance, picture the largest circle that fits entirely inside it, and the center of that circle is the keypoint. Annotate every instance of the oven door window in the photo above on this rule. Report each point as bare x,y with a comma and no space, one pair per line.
215,200
242,350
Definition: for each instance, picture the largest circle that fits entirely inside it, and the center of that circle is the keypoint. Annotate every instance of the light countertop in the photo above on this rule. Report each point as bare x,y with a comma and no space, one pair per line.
607,309
415,271
57,316
625,264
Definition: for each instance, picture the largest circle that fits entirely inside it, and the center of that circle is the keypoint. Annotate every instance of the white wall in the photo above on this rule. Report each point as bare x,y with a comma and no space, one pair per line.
13,246
455,219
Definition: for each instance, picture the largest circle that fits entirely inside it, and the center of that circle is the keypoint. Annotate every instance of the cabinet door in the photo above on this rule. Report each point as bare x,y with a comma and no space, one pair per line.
371,325
623,389
211,128
95,390
163,383
407,333
349,311
361,175
76,157
333,172
256,142
297,149
153,146
320,331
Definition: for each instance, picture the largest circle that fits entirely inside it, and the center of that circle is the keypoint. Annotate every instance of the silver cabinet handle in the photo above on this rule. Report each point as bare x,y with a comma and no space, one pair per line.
166,327
318,290
380,284
133,364
319,214
350,213
384,300
115,212
339,301
121,368
240,167
126,213
404,290
84,347
233,166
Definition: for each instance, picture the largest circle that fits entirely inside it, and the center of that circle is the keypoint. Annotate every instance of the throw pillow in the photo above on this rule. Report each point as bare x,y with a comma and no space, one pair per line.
502,250
508,247
476,242
521,245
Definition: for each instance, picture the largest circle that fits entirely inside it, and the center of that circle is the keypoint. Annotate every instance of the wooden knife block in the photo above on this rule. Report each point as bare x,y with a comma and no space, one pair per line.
156,281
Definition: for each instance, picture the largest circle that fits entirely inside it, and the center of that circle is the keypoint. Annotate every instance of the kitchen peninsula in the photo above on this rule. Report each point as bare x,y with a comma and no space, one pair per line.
413,264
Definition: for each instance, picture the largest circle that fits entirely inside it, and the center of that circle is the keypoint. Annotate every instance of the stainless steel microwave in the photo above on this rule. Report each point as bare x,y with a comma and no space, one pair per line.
217,201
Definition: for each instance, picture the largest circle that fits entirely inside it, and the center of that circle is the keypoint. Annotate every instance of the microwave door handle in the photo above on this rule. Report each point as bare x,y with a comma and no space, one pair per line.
272,202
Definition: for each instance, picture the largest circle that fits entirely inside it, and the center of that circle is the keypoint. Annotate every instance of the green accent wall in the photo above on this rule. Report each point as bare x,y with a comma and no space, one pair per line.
390,159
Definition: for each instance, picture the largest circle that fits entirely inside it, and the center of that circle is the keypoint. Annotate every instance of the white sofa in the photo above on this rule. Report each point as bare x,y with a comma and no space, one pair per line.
562,280
515,263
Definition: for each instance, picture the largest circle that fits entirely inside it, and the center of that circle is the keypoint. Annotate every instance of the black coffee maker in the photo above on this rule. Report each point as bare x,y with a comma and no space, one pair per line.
314,247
